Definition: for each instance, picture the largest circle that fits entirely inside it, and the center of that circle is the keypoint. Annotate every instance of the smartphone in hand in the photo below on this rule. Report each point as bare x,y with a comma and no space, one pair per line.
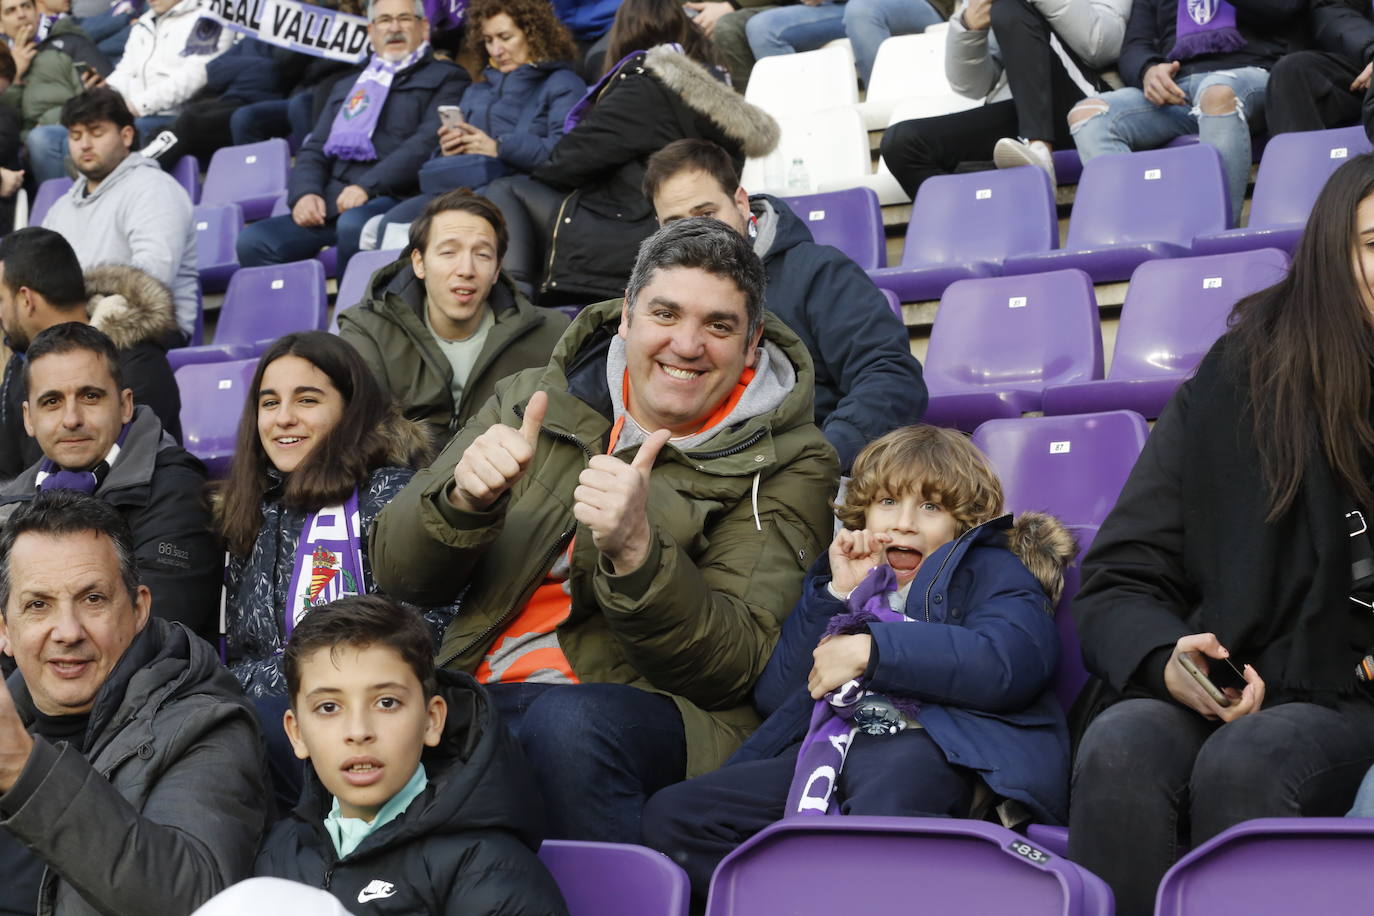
451,116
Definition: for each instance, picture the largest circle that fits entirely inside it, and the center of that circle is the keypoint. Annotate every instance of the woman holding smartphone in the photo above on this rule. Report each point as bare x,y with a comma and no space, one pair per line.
1234,546
511,117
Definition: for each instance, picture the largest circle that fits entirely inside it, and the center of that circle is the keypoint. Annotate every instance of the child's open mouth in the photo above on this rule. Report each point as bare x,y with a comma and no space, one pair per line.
904,559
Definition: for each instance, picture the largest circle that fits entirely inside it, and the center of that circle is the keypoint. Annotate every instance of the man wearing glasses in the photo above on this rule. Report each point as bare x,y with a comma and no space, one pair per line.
371,137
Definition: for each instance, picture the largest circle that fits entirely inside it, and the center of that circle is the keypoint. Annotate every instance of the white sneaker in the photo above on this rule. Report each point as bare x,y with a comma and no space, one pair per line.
1011,152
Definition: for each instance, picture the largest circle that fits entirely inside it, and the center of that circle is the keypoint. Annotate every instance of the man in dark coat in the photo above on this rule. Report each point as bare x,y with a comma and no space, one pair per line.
867,381
40,286
95,440
1327,86
349,171
131,772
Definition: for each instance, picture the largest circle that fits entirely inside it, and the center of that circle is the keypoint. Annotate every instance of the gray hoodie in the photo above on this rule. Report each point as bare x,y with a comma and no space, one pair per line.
138,216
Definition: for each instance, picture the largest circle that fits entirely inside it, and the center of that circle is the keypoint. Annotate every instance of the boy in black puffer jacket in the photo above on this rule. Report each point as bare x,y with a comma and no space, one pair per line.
421,802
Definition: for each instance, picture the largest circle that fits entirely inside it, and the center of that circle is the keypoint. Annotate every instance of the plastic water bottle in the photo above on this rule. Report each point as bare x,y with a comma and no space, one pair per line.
798,178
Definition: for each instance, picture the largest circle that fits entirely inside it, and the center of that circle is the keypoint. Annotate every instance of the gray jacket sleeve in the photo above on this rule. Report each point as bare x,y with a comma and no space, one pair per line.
1092,28
972,64
195,834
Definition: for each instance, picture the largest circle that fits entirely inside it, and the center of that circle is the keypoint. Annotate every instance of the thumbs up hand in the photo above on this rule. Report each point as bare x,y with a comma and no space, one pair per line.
612,499
497,459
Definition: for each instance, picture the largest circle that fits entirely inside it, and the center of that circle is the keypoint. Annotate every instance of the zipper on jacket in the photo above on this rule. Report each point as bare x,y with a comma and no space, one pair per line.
943,563
553,244
732,450
544,563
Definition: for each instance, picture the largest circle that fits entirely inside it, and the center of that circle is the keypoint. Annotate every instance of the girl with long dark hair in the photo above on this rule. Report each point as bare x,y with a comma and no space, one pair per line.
1237,547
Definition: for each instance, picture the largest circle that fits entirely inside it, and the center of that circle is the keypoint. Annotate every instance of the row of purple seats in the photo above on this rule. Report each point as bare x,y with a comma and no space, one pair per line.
1005,346
260,305
1128,209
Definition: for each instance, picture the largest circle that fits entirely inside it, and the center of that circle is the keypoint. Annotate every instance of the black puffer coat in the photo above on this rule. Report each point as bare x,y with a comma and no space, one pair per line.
464,847
651,100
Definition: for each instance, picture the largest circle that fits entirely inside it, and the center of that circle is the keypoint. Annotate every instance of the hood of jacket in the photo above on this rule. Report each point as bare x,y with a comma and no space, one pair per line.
752,127
132,163
1039,540
477,780
779,229
129,306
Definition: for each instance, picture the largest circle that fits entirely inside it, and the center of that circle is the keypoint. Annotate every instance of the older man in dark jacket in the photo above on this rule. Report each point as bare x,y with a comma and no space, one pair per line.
367,146
867,381
109,729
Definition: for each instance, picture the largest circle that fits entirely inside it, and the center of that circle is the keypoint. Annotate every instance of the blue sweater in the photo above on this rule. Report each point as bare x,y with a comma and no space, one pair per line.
980,659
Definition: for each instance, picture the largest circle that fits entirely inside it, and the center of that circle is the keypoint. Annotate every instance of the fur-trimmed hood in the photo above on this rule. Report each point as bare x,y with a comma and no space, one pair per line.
129,306
1045,547
410,444
753,127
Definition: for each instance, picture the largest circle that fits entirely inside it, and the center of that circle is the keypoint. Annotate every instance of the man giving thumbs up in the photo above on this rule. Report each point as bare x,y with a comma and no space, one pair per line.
627,527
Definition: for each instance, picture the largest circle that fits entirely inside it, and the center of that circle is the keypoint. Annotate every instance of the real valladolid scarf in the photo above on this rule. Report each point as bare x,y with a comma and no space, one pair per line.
826,745
329,560
1205,27
350,136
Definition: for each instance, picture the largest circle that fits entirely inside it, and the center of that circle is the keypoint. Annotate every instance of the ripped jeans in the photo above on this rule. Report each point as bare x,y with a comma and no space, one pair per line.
1131,122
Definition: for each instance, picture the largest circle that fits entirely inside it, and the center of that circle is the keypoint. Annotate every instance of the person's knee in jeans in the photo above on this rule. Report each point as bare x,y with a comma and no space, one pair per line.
1090,126
1222,123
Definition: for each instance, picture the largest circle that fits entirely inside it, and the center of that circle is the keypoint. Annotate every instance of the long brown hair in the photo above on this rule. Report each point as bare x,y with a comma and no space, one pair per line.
1308,346
546,37
345,458
642,24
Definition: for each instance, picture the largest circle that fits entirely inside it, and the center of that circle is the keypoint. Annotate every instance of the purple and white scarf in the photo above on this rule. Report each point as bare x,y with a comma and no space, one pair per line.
52,477
350,136
329,560
827,740
1205,27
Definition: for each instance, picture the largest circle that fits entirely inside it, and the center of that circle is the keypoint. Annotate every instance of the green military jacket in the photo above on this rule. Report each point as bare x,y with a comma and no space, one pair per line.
388,329
49,82
698,620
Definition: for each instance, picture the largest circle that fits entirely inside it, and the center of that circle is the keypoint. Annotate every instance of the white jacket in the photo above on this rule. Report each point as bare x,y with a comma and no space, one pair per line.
165,57
1093,29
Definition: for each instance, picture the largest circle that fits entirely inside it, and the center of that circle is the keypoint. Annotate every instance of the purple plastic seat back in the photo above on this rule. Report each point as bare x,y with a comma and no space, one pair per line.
1294,169
217,228
851,220
45,197
1070,674
353,286
252,176
263,303
187,173
876,866
981,216
893,302
1018,333
213,396
1072,467
616,879
1274,866
1162,195
1176,309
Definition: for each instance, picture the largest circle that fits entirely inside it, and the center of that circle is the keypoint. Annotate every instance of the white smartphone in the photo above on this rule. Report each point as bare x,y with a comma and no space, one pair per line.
451,115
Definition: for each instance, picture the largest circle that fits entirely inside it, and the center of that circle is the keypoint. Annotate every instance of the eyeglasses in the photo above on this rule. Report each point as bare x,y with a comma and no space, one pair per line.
405,21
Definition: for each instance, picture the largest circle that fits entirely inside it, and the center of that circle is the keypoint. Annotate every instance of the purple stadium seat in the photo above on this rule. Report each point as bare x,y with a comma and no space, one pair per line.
1067,166
45,197
851,220
1175,310
876,866
212,399
616,879
1070,674
353,286
1133,207
217,227
1274,866
187,173
892,301
329,258
252,176
1291,175
279,207
998,341
1072,467
262,304
964,225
